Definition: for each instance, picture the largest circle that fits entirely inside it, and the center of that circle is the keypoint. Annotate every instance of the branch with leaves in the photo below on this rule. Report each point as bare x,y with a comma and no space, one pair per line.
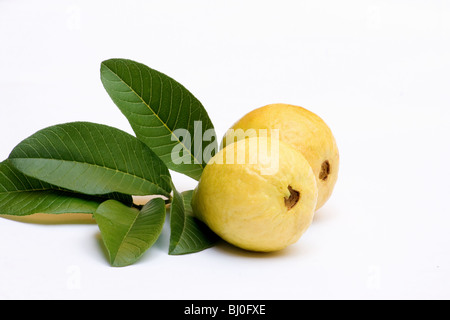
84,167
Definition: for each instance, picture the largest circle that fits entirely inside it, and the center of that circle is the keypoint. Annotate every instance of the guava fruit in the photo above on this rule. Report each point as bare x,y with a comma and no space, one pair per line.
301,129
260,199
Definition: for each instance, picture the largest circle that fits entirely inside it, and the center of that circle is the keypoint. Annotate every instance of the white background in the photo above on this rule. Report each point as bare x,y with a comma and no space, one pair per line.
378,72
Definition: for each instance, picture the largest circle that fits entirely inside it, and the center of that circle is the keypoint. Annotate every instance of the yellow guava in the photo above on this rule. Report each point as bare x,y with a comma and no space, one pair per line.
302,130
257,198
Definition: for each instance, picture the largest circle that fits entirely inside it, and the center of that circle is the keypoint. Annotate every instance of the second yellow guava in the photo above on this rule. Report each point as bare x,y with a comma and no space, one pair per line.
301,129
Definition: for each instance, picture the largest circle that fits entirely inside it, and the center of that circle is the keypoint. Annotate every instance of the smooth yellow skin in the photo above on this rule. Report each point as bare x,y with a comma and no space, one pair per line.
304,131
247,208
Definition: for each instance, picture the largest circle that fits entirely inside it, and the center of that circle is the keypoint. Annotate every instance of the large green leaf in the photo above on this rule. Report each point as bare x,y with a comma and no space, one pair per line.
188,234
92,159
21,195
127,232
157,107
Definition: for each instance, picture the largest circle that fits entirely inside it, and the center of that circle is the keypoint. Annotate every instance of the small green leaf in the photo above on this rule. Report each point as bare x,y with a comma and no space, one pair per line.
127,232
21,195
188,234
156,106
92,159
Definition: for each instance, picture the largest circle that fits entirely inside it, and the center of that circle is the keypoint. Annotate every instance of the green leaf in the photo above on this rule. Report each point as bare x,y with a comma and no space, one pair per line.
92,159
156,107
21,195
188,234
127,232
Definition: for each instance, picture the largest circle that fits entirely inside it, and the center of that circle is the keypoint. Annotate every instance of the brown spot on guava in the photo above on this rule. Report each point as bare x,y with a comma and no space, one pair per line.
325,170
292,200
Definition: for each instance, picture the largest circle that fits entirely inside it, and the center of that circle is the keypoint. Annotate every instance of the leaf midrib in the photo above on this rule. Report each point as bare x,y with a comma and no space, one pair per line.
125,236
98,166
196,161
183,207
28,190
